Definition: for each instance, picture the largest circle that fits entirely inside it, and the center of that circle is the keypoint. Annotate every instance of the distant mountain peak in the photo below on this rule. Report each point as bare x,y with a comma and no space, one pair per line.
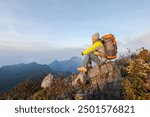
66,65
75,57
55,61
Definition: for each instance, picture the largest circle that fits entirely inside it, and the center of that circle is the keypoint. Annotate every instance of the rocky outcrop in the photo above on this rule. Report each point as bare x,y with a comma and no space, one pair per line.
103,83
105,80
48,81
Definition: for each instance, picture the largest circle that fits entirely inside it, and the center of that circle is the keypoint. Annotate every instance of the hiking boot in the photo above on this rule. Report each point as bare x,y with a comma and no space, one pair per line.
82,69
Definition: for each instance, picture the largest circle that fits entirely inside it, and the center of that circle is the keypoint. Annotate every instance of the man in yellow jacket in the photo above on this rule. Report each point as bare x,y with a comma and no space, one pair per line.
95,53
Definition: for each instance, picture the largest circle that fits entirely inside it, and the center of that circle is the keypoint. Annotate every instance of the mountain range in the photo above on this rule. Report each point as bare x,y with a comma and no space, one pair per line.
12,75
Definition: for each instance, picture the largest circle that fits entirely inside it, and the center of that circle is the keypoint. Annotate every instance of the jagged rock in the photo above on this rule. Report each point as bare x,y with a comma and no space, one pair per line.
48,81
105,81
80,78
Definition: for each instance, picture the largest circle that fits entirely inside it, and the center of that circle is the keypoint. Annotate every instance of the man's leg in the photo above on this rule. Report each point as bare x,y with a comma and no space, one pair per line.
91,57
86,60
95,59
85,65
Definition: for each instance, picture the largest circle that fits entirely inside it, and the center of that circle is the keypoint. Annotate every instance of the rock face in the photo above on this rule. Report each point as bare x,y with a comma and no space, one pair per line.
105,80
48,81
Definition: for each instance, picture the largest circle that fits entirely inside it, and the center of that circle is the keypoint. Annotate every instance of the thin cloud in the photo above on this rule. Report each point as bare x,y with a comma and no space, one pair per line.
136,43
30,60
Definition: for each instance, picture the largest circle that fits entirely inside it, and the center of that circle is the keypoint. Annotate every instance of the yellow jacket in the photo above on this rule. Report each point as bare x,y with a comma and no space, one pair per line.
93,48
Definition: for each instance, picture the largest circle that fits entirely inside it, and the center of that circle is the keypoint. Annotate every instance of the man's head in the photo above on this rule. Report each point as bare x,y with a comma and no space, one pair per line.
95,37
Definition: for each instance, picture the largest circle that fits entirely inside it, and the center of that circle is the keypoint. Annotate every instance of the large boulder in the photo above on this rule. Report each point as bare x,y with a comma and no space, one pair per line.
105,80
48,81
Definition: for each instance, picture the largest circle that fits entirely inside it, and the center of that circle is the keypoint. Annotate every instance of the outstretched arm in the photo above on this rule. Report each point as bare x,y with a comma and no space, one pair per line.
92,48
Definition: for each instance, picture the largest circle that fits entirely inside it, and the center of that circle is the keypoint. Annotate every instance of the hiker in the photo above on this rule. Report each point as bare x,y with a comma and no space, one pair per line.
95,53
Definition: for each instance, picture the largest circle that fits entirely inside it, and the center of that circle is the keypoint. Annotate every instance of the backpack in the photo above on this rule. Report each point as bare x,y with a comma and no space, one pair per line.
110,45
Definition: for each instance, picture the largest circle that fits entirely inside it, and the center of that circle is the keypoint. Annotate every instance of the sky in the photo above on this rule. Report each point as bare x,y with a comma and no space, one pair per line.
44,30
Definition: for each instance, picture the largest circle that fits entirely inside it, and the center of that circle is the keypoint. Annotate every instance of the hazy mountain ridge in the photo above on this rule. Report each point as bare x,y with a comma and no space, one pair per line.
12,75
66,65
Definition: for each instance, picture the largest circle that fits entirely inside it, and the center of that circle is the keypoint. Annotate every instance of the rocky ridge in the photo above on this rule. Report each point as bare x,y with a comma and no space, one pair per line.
104,83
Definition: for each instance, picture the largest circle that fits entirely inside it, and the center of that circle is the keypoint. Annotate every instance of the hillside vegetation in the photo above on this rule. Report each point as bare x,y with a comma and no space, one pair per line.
136,85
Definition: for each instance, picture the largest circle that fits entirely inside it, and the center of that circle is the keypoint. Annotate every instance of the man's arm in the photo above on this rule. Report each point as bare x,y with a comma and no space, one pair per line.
92,48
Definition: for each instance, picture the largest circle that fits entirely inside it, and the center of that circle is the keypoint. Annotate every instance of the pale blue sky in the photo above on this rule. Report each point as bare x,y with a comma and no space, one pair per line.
36,30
